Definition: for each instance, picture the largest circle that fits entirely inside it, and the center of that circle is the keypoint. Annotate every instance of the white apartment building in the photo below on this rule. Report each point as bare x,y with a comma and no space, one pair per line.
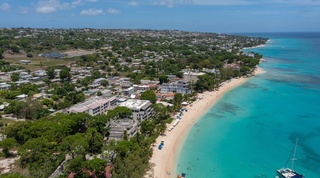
175,87
94,106
128,91
191,77
125,82
141,109
117,128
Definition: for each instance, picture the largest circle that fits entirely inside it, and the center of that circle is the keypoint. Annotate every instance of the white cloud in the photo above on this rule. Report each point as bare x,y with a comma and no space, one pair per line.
172,3
113,11
50,6
91,12
168,3
75,3
45,9
23,10
92,0
4,7
133,3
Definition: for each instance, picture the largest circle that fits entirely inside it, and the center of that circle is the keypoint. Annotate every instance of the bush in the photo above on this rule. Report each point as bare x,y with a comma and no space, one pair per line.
29,55
169,120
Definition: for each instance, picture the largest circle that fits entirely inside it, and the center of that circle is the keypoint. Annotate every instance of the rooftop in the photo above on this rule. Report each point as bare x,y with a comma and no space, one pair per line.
136,104
90,103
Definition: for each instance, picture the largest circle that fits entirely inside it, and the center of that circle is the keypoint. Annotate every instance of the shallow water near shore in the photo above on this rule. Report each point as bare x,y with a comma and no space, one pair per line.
251,131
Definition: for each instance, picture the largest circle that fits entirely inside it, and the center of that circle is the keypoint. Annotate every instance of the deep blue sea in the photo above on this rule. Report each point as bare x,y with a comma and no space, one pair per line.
252,130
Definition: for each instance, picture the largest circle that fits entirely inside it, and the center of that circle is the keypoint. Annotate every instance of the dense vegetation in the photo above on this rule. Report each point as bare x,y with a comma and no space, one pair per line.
46,142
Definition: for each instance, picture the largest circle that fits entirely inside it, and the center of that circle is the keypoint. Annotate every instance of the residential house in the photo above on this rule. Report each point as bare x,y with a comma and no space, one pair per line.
4,86
25,62
142,88
57,73
125,82
21,97
172,78
128,91
25,76
98,81
57,80
20,82
146,82
106,93
40,73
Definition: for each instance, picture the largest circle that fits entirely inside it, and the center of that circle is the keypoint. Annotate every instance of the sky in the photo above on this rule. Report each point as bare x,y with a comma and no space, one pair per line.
219,16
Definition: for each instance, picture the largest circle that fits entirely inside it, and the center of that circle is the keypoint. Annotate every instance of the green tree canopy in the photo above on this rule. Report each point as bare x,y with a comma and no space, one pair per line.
1,52
76,166
177,100
96,74
149,95
94,139
96,166
205,82
65,74
75,145
15,77
12,175
163,79
104,83
50,72
7,144
119,112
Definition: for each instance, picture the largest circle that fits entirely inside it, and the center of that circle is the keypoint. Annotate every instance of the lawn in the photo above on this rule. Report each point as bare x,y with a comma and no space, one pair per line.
39,63
5,122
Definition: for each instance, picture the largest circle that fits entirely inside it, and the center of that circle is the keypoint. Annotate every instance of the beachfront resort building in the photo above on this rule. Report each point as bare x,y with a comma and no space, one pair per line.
118,128
175,87
191,77
141,109
94,106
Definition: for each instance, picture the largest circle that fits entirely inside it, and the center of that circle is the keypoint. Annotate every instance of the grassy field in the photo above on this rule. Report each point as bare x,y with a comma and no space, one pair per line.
6,121
39,63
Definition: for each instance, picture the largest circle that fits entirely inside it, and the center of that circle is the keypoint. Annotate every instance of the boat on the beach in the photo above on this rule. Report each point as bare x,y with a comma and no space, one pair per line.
289,172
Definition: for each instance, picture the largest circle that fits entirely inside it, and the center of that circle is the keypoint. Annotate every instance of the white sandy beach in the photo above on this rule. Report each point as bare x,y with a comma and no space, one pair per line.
164,160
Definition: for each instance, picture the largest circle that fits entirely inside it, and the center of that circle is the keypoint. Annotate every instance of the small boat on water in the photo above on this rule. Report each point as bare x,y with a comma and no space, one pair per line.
289,172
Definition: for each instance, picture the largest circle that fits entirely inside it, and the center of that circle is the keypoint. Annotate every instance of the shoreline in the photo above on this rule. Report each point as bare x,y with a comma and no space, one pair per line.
259,46
165,160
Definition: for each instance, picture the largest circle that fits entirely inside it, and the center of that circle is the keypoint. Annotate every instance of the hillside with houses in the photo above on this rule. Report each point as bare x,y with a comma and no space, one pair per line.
91,102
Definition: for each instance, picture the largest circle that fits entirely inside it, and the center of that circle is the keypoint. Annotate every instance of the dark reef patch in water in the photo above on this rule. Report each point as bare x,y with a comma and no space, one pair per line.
304,81
227,108
310,156
305,116
214,115
250,85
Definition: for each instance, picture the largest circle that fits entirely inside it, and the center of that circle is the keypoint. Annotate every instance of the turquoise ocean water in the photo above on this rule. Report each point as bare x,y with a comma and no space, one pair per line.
252,130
